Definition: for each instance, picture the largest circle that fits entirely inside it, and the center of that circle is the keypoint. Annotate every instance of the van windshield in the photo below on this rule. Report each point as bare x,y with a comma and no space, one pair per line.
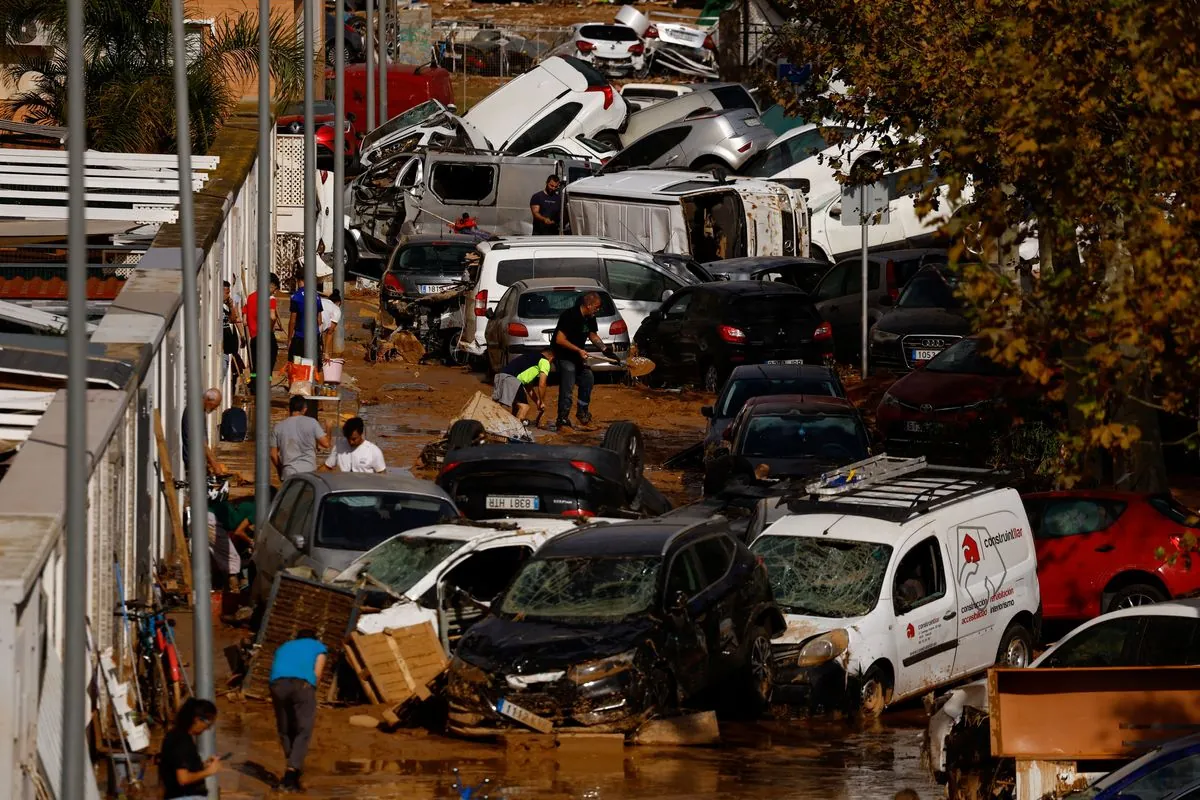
414,116
831,578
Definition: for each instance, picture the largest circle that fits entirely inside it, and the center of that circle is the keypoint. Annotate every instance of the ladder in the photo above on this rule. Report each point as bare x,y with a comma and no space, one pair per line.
863,473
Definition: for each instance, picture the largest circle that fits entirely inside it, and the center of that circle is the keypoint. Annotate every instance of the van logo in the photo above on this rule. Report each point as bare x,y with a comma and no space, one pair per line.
970,549
911,631
926,408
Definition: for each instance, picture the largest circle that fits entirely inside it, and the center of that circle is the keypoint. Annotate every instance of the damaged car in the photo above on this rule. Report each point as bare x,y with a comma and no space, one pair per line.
502,480
610,625
672,46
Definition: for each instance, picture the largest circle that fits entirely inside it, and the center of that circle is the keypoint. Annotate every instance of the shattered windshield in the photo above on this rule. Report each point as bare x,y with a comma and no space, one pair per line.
824,577
404,560
583,588
836,438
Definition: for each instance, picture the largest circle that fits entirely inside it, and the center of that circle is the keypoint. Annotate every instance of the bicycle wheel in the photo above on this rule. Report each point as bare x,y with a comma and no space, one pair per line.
159,703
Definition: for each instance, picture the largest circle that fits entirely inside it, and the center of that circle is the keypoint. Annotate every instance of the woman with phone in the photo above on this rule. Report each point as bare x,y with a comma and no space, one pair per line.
180,770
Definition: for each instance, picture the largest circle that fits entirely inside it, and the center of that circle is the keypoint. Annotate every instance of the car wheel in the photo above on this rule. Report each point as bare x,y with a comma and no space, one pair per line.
715,167
1134,595
1016,647
760,670
609,139
464,433
875,693
625,439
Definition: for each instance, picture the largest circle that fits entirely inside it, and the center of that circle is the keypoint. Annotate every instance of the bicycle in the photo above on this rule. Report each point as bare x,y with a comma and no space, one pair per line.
160,674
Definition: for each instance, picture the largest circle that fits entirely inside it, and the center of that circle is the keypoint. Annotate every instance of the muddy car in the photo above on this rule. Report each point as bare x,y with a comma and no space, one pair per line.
610,625
494,481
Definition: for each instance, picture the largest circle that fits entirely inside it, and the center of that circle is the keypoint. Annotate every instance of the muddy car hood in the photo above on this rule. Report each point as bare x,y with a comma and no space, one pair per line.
929,321
502,645
800,628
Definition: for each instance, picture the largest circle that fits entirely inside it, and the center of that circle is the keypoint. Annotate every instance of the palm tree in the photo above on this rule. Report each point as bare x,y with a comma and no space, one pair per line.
129,85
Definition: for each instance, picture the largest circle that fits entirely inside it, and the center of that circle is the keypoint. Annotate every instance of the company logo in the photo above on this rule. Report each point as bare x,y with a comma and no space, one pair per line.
1000,538
783,331
970,549
911,631
926,408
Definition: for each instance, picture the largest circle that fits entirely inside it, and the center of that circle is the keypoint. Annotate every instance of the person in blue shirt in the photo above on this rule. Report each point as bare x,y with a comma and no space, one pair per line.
295,673
296,323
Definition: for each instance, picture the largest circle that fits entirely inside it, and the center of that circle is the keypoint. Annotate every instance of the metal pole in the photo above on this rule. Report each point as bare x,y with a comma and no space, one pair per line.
339,168
197,490
745,37
75,657
262,351
384,116
863,220
311,301
370,45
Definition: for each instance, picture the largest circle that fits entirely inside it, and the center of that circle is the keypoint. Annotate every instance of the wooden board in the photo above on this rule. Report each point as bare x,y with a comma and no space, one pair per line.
398,664
173,512
494,417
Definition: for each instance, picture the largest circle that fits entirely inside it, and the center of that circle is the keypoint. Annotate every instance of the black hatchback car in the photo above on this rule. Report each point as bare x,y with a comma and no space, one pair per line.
423,265
927,319
701,333
610,625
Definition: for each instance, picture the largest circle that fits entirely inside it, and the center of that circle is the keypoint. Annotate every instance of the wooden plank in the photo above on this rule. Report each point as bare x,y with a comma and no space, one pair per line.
173,511
360,672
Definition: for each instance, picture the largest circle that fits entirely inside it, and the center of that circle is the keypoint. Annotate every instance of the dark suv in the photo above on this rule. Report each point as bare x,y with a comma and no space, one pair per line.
927,319
703,332
610,625
839,294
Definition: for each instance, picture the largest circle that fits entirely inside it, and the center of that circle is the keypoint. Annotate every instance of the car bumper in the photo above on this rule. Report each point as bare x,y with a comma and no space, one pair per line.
564,492
804,354
821,687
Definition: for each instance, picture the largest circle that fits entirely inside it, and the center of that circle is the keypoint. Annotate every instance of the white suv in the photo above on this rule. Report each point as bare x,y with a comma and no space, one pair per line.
637,281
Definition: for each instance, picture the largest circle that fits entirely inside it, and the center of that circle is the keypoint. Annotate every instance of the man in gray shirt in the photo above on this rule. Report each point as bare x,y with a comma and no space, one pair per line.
294,441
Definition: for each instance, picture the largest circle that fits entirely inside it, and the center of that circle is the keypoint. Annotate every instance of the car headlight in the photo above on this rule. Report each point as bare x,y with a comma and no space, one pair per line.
823,648
883,337
601,668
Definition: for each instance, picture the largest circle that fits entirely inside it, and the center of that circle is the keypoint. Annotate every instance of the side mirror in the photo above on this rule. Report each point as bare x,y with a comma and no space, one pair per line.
835,211
666,295
886,301
679,603
490,313
654,316
706,411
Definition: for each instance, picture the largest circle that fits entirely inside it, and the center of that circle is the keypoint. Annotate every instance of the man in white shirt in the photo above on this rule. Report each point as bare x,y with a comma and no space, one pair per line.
331,317
354,453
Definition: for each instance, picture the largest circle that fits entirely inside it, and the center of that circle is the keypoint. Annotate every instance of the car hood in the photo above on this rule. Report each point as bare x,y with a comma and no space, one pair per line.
947,389
930,321
528,647
792,467
802,627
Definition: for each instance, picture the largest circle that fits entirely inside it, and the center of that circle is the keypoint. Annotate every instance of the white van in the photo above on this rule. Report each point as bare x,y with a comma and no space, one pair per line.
637,281
691,213
896,578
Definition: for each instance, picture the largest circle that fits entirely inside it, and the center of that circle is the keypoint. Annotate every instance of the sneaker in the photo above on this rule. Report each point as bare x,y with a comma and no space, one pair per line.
563,425
290,782
585,418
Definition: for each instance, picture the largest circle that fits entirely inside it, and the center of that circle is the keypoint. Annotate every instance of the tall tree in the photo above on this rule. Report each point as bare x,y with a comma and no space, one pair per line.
1081,115
129,90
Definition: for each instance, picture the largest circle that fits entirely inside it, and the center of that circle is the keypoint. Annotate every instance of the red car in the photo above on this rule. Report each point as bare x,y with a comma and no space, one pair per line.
292,121
1096,550
408,86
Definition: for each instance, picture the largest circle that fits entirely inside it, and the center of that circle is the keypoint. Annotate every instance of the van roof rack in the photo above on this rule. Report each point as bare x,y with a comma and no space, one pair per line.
892,488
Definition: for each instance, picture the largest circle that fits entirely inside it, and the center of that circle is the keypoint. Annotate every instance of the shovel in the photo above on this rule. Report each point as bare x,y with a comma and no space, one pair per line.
637,366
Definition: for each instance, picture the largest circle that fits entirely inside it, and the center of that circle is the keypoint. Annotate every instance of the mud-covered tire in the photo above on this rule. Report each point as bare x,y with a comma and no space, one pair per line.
713,166
1016,647
875,693
609,138
758,677
625,439
464,433
1134,595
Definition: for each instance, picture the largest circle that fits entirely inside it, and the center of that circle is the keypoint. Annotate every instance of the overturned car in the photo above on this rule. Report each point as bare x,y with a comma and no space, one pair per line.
610,625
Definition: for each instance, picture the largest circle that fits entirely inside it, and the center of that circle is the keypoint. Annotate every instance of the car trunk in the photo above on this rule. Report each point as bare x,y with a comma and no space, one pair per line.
530,492
773,323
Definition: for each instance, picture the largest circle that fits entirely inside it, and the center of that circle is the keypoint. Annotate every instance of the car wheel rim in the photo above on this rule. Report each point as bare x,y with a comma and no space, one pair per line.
631,462
760,667
710,380
872,697
1016,654
1135,600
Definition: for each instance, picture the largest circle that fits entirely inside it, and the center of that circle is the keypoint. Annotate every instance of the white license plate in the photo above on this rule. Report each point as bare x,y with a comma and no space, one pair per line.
524,716
913,426
786,361
924,355
429,288
512,502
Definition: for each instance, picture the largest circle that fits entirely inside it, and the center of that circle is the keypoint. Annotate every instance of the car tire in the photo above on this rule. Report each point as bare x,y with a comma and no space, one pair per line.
610,139
464,433
1133,595
875,693
710,378
759,676
625,439
1016,647
713,166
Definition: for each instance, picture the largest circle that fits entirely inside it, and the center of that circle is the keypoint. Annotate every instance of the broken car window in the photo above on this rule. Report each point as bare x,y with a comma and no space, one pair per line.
463,183
583,588
920,577
406,559
361,520
824,577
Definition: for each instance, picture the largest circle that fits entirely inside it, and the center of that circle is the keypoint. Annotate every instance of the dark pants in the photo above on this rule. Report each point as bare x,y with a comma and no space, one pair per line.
295,703
571,373
254,352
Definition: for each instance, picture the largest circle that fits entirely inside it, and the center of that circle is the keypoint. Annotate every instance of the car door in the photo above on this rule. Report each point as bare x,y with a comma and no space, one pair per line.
496,331
664,333
726,623
830,294
687,644
297,541
268,552
1077,553
925,634
458,185
659,149
470,583
637,289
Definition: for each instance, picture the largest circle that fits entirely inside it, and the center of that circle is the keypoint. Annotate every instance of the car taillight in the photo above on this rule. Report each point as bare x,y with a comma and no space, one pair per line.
637,49
517,329
709,44
824,332
579,513
745,147
1176,541
731,334
585,47
584,466
446,468
651,32
481,303
618,328
893,289
393,283
608,94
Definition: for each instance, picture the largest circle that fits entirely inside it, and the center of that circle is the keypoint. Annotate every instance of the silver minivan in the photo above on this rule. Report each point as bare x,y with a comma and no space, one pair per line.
525,318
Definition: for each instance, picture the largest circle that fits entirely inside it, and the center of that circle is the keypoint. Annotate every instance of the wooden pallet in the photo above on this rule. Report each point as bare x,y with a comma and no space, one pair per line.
398,664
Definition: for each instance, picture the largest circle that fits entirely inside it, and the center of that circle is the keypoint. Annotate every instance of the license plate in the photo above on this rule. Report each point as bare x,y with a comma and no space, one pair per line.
913,426
786,361
924,355
429,288
524,717
512,502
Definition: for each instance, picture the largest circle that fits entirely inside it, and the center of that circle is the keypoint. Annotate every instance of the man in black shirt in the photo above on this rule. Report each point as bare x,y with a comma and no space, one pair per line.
547,209
181,772
576,327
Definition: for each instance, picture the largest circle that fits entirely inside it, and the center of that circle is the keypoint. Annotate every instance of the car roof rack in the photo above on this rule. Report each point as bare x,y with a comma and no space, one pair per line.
892,488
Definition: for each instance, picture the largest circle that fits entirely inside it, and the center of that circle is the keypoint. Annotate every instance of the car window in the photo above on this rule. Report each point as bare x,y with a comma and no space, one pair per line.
734,97
485,573
301,517
1170,642
1074,517
929,289
828,438
920,577
443,258
770,308
853,283
738,392
823,577
628,280
512,270
1165,780
1112,643
647,93
283,509
608,33
904,270
648,149
685,575
1175,511
362,520
715,554
550,303
834,282
462,183
546,129
782,155
678,306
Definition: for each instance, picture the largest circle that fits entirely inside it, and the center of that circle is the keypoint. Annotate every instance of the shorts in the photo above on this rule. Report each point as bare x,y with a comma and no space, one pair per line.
509,391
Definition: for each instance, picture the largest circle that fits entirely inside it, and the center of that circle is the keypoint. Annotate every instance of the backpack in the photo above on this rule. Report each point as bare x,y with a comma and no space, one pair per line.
233,425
